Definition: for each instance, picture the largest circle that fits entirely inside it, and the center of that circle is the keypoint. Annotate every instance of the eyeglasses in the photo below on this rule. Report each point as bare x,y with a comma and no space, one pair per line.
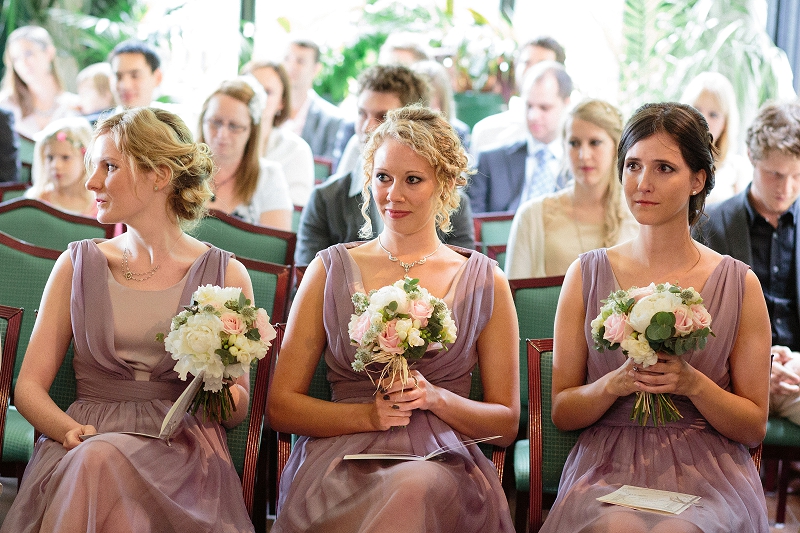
233,128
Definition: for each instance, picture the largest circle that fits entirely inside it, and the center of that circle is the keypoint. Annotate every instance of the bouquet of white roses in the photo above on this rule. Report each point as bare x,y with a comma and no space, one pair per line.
398,323
647,320
219,335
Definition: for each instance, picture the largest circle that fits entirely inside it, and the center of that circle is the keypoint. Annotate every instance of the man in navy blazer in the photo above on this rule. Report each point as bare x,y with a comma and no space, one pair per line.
511,173
761,227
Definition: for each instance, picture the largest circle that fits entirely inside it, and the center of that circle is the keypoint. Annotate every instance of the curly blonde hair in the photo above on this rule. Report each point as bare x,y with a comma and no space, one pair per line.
153,139
429,134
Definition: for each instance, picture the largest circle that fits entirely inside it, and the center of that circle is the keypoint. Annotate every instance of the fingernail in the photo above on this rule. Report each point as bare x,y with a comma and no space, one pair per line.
385,396
382,390
395,406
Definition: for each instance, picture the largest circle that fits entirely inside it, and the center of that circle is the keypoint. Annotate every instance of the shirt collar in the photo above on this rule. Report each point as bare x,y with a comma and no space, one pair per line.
555,147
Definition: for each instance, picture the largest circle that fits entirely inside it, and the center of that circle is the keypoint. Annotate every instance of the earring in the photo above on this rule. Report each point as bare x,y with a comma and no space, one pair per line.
155,188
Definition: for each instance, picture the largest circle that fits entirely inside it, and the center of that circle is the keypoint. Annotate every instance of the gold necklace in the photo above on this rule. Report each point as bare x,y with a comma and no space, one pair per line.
141,276
407,266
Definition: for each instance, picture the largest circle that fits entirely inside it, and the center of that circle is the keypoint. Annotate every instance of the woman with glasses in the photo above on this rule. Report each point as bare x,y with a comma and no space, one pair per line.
245,185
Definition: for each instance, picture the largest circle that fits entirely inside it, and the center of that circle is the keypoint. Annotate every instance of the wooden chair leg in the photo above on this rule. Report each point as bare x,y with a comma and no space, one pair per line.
784,468
770,475
521,514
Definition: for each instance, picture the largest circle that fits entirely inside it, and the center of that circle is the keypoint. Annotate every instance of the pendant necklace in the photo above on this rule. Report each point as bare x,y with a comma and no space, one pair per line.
141,276
407,266
218,185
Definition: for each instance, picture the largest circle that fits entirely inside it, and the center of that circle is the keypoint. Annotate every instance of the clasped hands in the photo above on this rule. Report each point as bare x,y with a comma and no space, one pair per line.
394,404
671,374
785,374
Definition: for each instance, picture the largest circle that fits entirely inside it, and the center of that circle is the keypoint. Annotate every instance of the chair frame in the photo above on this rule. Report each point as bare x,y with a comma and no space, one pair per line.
16,203
13,316
326,161
7,186
282,288
478,219
288,236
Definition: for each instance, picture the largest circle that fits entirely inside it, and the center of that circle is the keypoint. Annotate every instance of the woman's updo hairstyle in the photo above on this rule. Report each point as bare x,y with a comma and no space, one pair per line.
154,139
688,128
429,134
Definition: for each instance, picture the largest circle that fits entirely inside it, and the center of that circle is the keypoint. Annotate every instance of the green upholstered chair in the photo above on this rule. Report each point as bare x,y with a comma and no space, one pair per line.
535,300
323,168
25,269
538,461
297,212
498,253
9,191
472,106
10,326
491,229
271,285
246,240
780,448
41,224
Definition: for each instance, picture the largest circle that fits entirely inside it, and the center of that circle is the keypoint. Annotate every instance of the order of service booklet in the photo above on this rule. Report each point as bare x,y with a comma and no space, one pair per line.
411,457
174,416
644,499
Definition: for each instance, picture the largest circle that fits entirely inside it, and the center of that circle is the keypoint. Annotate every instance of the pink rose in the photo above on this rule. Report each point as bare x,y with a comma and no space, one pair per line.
232,323
360,327
683,320
389,340
640,292
617,329
263,326
700,317
420,310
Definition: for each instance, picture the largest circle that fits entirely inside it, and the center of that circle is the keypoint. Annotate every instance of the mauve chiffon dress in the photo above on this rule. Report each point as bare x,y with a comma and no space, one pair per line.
320,492
687,456
124,483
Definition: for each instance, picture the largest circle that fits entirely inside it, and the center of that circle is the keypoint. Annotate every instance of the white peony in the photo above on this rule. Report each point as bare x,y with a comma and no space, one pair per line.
198,336
643,311
386,295
215,296
640,351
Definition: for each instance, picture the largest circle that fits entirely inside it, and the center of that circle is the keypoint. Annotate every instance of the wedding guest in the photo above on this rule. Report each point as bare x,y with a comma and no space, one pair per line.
9,147
515,172
59,172
110,297
137,74
403,48
414,166
279,144
666,164
32,88
551,231
758,226
311,117
94,91
333,213
442,96
712,94
245,185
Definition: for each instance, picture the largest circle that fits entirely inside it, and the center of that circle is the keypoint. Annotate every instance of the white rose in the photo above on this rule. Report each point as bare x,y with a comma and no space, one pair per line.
640,351
643,311
414,339
597,323
402,327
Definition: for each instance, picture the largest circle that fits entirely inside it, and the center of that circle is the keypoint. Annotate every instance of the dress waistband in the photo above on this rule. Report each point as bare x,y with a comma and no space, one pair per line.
128,390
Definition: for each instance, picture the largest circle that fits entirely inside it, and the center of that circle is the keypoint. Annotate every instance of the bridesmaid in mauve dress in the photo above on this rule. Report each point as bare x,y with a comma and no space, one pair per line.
666,167
111,298
413,164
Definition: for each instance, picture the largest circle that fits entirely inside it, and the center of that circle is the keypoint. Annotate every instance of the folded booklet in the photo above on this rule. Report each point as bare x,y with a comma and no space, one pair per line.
411,457
174,416
643,499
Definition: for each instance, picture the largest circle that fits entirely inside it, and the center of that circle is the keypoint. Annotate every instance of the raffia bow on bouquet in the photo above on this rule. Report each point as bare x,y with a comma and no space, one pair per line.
645,321
219,335
397,324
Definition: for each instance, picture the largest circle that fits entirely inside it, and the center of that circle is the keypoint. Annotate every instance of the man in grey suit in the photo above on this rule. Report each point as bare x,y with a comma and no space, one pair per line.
333,213
759,226
312,117
512,173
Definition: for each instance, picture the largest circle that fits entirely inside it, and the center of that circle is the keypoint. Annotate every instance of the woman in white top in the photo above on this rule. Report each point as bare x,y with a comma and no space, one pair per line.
245,185
279,144
32,88
549,232
712,94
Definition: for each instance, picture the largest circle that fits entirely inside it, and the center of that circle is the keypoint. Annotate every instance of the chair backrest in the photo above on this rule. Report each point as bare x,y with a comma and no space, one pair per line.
535,300
246,240
271,286
41,224
10,325
25,269
549,446
297,212
9,191
492,228
498,253
323,167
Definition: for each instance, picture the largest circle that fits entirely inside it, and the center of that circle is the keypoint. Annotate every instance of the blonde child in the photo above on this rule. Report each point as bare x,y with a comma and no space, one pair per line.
94,89
59,172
